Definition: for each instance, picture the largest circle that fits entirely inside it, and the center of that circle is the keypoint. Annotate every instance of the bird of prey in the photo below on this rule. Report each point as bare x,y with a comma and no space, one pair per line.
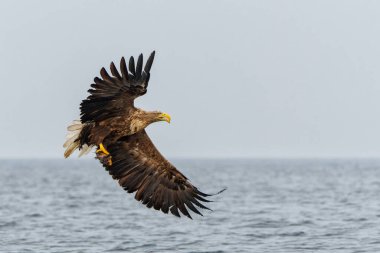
110,121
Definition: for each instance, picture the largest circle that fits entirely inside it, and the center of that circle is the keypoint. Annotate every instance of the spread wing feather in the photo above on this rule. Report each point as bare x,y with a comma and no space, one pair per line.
140,168
112,95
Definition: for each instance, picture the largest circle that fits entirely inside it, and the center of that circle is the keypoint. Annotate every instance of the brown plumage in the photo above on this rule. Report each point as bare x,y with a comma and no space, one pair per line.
109,118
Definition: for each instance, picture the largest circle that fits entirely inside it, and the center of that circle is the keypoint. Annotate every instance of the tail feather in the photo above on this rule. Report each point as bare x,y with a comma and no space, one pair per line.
72,138
71,148
85,150
70,134
74,127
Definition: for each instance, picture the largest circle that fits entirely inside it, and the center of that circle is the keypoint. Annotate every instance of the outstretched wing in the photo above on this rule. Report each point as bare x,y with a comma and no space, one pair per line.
111,96
139,167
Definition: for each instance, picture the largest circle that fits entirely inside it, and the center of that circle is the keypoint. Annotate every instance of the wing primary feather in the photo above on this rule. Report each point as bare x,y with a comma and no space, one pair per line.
174,211
199,204
114,71
124,69
132,65
201,199
208,195
144,76
99,81
181,206
192,207
149,62
201,193
166,201
105,75
189,204
139,66
158,198
149,204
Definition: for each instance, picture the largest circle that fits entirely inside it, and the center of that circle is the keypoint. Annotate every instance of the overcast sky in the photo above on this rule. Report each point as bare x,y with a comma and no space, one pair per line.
239,78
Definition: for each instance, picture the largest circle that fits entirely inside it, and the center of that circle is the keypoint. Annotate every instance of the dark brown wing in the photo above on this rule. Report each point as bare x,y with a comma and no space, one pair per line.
111,96
139,166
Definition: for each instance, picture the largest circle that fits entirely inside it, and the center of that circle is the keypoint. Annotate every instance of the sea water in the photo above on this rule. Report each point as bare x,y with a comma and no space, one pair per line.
269,206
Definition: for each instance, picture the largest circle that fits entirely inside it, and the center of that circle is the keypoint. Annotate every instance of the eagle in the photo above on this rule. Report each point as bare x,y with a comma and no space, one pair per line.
110,122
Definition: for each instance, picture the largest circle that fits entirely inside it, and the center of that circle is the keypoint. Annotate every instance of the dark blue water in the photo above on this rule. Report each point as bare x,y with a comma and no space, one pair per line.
270,206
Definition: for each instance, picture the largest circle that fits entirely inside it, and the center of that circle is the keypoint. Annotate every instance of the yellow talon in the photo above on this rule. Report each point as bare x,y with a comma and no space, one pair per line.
104,155
102,149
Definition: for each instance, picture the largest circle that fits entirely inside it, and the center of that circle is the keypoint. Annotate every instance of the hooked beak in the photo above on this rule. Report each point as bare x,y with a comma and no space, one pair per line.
165,117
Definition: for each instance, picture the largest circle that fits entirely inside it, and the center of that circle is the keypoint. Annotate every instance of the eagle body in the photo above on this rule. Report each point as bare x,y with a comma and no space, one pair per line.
110,121
112,129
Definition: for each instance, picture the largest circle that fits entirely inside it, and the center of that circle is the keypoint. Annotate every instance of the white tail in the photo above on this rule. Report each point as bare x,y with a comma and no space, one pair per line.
72,142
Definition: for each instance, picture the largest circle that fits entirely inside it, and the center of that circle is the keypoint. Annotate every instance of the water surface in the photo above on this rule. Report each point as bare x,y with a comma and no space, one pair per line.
269,206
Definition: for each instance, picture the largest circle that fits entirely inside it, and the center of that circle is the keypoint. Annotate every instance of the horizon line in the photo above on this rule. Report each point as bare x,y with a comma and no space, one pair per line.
215,158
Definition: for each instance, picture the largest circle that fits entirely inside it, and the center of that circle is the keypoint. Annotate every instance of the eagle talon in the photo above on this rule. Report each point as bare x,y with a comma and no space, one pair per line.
102,149
109,162
104,158
103,155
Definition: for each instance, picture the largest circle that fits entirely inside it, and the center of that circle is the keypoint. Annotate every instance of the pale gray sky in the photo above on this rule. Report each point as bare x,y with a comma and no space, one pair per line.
240,78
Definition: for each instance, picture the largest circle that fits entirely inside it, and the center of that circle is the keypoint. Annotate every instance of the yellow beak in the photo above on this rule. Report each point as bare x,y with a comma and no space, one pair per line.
165,117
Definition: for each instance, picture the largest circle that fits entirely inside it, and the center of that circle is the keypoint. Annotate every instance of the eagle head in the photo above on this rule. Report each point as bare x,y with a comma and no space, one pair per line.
161,116
155,116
